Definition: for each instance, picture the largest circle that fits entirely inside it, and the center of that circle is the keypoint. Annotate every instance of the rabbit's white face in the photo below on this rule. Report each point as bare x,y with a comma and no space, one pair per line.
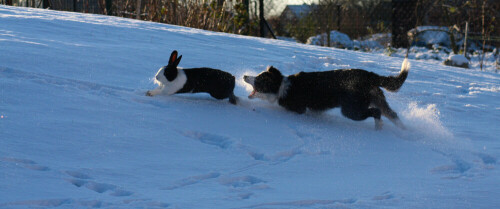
160,77
170,87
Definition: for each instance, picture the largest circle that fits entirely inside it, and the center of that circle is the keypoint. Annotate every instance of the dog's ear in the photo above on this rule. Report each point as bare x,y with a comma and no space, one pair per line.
273,70
173,57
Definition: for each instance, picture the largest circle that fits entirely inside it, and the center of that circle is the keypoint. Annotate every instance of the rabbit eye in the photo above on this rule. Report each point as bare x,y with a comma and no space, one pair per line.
170,74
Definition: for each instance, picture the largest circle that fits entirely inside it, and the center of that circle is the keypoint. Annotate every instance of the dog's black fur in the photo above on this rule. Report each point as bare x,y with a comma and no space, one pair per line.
356,91
217,83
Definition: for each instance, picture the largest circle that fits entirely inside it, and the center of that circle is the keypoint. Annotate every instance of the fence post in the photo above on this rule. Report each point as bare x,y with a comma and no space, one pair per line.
261,18
465,39
138,8
339,16
109,3
403,20
45,4
247,10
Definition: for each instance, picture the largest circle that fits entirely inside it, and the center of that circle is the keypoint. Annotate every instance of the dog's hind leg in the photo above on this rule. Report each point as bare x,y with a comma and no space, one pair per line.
362,115
361,112
377,115
233,99
378,100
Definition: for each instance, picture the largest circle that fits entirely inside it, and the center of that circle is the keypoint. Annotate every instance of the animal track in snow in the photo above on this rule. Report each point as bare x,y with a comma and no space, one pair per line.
456,170
241,181
49,203
147,202
83,180
210,139
41,78
99,187
245,196
120,193
243,187
286,155
306,203
192,180
25,163
486,159
77,182
78,175
83,203
303,135
282,156
103,188
279,157
53,203
257,156
384,196
465,168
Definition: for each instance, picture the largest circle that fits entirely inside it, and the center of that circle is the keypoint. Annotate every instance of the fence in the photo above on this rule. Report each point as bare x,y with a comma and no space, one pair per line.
358,19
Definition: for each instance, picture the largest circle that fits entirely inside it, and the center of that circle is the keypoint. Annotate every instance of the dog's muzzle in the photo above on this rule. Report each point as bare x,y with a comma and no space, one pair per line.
250,80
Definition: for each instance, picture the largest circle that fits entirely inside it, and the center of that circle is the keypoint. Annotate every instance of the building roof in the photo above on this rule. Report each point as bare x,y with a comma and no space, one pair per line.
298,10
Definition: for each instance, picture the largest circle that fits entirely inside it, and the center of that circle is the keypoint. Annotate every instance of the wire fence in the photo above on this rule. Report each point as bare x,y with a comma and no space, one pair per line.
468,27
383,22
359,19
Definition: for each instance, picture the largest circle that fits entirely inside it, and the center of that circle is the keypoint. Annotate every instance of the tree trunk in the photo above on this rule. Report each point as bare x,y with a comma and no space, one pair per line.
109,3
261,18
45,4
247,9
403,19
138,8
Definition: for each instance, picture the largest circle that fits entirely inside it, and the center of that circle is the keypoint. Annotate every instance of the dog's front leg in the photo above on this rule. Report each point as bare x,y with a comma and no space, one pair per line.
154,92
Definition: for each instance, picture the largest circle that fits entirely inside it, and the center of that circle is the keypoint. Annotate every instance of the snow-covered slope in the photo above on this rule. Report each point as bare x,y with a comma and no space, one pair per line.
76,130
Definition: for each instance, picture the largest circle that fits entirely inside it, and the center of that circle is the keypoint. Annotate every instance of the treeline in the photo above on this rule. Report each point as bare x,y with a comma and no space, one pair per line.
214,15
356,18
360,18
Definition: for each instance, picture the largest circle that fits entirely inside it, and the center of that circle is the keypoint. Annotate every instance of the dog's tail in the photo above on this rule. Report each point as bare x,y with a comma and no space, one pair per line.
393,83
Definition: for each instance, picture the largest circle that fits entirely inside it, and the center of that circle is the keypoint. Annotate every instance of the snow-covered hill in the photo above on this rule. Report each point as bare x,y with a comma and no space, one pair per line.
76,130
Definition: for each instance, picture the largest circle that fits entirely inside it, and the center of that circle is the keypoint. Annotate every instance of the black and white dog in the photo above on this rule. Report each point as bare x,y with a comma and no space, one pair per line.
174,80
357,92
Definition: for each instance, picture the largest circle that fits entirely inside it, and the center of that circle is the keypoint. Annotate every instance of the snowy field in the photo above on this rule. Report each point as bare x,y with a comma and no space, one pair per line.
76,130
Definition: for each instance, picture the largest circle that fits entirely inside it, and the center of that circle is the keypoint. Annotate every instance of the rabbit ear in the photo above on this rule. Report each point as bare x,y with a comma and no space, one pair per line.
177,61
173,57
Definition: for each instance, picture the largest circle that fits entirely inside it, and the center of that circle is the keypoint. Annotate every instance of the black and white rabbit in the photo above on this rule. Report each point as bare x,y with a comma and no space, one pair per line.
174,80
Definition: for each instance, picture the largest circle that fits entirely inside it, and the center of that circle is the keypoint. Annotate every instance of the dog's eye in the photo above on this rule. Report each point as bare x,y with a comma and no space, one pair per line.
266,84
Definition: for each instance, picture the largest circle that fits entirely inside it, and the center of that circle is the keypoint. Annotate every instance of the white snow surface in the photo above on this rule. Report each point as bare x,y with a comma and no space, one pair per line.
77,131
458,59
433,35
336,37
342,40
